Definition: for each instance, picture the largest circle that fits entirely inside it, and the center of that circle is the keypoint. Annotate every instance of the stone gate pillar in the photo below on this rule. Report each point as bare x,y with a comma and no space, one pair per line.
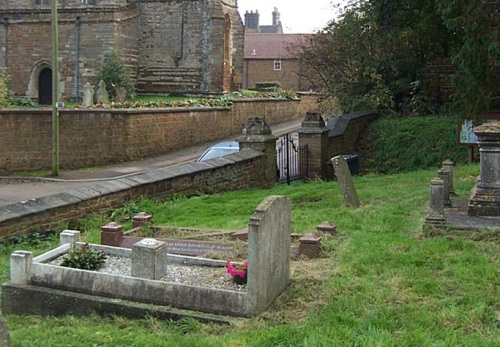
314,134
485,197
257,135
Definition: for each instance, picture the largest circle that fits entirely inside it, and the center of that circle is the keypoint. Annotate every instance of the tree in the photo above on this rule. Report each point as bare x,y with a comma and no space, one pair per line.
115,75
477,54
376,54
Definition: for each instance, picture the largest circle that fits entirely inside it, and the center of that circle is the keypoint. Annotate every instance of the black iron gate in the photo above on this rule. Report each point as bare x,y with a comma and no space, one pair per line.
291,159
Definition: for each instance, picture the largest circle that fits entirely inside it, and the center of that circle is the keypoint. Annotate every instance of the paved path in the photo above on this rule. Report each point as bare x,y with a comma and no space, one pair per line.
18,190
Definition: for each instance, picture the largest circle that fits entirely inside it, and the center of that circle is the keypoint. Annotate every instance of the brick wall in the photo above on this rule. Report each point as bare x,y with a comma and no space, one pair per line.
235,172
169,45
338,137
262,70
93,137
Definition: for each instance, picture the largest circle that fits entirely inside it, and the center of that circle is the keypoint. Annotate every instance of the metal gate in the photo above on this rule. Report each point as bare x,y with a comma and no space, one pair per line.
291,159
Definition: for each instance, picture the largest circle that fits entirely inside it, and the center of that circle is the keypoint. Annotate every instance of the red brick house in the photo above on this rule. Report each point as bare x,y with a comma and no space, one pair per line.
274,57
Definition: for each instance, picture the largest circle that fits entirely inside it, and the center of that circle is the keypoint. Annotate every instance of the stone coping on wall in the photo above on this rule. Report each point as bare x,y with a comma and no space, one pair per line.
338,125
49,211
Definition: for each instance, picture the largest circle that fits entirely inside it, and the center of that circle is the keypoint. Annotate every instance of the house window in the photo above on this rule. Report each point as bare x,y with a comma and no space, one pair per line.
87,2
277,64
42,2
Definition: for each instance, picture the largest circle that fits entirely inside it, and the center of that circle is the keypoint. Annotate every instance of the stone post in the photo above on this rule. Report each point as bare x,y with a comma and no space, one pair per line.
435,216
140,219
327,228
20,264
69,236
4,334
444,174
309,245
112,234
257,135
314,134
149,259
485,197
448,164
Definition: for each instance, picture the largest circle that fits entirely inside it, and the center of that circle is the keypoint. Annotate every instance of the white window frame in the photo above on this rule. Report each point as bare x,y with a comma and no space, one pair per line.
277,64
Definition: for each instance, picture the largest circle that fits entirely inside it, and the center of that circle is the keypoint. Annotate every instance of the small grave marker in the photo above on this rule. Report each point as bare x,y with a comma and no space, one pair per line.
345,180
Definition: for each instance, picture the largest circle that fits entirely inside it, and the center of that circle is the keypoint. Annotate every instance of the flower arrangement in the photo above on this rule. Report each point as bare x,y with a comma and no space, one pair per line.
237,272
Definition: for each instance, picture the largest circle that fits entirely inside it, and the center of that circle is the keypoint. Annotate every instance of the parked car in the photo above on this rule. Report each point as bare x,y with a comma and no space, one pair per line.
219,150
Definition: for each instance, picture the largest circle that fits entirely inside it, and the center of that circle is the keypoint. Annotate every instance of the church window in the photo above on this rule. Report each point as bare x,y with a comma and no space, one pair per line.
277,64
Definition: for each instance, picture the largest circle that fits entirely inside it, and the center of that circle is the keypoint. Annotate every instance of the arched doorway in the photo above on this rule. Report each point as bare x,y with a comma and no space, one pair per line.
45,87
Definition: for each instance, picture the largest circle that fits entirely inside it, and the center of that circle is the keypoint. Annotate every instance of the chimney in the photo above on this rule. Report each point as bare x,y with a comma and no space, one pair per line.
276,17
252,20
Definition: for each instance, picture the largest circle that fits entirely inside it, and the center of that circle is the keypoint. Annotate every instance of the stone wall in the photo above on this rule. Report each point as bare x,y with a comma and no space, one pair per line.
93,137
179,46
262,70
238,171
437,79
339,136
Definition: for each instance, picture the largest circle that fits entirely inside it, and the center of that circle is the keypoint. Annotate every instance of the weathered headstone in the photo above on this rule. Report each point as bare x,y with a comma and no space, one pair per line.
269,241
88,95
102,93
345,180
121,94
4,333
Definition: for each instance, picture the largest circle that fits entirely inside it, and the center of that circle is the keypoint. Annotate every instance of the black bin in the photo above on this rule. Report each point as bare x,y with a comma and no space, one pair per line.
352,161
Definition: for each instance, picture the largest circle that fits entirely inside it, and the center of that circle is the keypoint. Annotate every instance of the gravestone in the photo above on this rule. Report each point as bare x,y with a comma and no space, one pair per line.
345,180
485,197
102,93
88,95
269,240
121,94
4,334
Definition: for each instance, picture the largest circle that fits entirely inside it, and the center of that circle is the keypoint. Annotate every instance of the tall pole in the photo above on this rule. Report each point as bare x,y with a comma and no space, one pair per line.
55,111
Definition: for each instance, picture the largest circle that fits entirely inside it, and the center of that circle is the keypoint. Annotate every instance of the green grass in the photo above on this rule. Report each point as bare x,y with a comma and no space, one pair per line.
413,143
379,281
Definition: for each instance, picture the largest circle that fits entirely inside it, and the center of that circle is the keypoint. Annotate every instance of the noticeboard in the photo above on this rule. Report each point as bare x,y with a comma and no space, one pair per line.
465,130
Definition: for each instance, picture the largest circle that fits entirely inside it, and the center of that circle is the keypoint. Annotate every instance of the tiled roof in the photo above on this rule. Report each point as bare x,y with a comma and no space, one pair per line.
271,46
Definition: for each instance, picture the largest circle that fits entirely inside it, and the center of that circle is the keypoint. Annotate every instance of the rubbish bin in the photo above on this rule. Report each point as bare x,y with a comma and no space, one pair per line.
352,161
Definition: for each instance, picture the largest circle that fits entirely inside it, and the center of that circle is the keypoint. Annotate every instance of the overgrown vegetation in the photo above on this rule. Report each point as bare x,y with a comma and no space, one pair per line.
411,143
379,281
115,75
375,55
4,88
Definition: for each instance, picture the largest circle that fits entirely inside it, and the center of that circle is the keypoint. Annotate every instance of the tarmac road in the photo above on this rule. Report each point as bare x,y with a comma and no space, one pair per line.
17,190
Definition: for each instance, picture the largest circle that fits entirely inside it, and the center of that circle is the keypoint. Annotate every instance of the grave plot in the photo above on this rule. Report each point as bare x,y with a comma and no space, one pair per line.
208,243
52,289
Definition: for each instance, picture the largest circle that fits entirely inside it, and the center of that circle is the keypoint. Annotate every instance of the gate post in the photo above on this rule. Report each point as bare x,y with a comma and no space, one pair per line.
257,135
314,134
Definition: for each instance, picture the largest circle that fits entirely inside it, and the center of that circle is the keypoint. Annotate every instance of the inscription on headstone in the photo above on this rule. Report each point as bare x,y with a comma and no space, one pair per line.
196,248
345,180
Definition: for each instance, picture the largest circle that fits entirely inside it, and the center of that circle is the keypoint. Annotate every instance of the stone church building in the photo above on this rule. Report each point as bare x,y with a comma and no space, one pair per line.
169,46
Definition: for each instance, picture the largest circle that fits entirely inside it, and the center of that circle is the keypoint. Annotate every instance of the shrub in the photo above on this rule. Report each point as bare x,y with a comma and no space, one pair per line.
115,75
84,257
4,89
413,143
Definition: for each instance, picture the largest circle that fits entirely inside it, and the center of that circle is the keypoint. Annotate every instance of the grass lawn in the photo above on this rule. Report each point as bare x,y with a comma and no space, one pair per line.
378,282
